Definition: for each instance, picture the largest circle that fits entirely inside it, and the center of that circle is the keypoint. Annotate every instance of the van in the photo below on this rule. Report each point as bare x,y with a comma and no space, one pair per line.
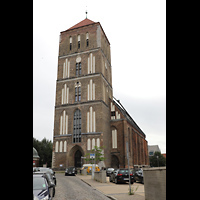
89,169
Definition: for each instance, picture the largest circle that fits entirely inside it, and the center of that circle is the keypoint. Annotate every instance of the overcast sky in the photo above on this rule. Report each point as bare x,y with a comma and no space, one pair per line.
136,30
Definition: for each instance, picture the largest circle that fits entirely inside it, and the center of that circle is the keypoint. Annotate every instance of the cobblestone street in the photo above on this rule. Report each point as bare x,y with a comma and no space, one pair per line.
71,187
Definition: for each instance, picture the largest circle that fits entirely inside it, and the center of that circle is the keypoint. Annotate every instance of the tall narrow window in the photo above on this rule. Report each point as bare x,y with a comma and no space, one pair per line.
65,146
114,138
64,123
87,39
91,120
56,149
77,91
70,43
77,127
78,68
79,40
88,144
61,143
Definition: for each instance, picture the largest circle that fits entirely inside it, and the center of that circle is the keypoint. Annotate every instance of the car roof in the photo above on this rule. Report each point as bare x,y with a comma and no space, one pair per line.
37,175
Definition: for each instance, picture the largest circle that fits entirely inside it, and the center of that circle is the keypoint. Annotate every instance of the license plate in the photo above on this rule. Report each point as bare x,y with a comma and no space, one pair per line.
126,179
69,172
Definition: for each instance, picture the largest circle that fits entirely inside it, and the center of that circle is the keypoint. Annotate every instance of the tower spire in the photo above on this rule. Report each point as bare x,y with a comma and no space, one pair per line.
86,12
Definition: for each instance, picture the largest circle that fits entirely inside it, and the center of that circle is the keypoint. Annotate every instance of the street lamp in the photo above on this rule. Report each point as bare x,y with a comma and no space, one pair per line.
157,160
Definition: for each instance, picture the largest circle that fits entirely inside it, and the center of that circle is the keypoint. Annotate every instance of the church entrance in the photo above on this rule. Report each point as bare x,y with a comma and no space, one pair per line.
114,161
75,154
77,158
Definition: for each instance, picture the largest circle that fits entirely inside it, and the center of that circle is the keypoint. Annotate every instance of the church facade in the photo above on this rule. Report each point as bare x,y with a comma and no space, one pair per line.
86,113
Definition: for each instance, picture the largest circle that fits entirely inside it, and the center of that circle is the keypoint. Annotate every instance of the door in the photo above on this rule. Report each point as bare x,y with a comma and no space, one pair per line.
77,159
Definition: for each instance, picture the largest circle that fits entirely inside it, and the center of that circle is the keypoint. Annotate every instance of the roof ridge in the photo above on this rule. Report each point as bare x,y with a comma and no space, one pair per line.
84,22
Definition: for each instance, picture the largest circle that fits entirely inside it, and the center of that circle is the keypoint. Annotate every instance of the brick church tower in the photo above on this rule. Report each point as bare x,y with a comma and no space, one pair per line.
86,114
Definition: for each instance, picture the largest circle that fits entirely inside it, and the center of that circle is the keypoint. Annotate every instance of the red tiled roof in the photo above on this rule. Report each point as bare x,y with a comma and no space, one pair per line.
82,23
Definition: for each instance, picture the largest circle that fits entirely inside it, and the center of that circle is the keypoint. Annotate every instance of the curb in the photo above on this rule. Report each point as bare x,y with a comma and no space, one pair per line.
110,197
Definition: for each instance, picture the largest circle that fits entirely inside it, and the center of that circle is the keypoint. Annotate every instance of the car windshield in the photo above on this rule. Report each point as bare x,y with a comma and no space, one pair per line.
39,183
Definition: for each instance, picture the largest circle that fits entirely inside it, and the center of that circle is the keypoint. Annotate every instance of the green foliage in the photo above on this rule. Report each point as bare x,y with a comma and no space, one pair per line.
98,154
44,149
154,161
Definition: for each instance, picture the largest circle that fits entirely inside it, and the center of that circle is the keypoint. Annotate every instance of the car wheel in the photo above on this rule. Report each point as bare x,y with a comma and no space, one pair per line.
116,181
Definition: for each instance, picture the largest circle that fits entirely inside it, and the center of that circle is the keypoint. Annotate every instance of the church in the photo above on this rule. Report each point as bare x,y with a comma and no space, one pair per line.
86,113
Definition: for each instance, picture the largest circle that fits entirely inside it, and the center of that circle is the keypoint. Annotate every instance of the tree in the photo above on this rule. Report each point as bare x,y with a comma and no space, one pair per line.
44,149
99,156
154,161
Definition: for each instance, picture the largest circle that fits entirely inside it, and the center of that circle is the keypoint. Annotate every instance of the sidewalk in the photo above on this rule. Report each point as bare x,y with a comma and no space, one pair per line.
115,191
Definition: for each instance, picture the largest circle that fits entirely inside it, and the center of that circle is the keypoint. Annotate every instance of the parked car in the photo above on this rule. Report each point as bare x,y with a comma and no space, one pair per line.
70,171
109,171
43,169
138,175
121,175
42,188
49,178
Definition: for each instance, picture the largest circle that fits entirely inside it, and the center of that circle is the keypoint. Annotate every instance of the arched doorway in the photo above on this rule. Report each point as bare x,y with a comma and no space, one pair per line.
74,156
77,158
114,161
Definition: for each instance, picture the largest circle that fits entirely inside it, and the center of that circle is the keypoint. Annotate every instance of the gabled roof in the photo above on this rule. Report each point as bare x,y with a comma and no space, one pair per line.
82,23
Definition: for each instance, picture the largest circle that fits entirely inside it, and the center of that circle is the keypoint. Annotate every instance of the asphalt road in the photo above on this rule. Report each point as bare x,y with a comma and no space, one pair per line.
72,188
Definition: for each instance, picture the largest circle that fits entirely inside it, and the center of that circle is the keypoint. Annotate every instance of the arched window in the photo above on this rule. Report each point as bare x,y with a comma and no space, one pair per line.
77,126
87,39
61,143
64,123
114,138
93,143
77,91
65,146
98,142
88,144
56,149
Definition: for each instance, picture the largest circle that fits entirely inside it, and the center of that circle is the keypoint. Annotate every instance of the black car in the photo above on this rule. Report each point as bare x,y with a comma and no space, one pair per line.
121,175
42,188
70,171
138,175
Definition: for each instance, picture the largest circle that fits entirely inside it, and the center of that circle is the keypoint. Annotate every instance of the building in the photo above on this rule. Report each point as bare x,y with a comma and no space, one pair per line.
36,158
152,149
86,113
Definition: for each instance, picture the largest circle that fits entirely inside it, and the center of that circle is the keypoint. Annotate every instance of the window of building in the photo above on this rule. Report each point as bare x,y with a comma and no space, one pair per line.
61,143
77,91
56,149
87,39
88,144
114,138
63,123
65,146
77,127
79,40
70,43
78,68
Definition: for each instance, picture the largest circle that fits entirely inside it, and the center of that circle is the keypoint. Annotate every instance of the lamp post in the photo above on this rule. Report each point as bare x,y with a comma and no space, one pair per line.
157,160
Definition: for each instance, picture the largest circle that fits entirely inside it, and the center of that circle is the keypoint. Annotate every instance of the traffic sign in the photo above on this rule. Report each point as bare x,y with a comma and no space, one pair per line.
92,155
